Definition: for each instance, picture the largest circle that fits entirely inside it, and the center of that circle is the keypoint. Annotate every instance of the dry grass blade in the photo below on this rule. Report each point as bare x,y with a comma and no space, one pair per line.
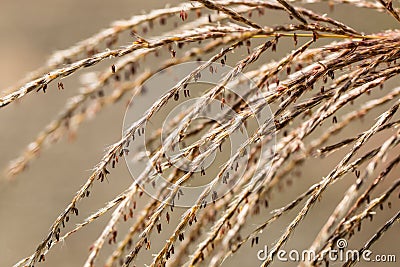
233,14
292,11
389,7
377,236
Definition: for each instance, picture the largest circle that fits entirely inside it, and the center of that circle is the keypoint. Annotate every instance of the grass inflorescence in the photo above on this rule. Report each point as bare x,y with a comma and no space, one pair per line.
314,86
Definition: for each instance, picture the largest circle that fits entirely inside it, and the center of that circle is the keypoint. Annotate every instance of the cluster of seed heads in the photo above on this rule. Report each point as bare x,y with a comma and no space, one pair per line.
306,88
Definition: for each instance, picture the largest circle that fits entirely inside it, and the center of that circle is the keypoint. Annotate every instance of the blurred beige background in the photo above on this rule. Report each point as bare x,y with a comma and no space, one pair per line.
30,31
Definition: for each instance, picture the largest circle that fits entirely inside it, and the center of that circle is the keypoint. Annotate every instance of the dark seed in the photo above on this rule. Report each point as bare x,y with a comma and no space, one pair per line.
176,96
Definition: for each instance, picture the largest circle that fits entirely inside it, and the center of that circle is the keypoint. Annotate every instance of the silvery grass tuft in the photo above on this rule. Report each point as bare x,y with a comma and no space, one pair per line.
313,93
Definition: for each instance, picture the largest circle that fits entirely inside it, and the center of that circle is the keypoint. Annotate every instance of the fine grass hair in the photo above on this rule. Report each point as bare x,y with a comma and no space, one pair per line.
329,78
